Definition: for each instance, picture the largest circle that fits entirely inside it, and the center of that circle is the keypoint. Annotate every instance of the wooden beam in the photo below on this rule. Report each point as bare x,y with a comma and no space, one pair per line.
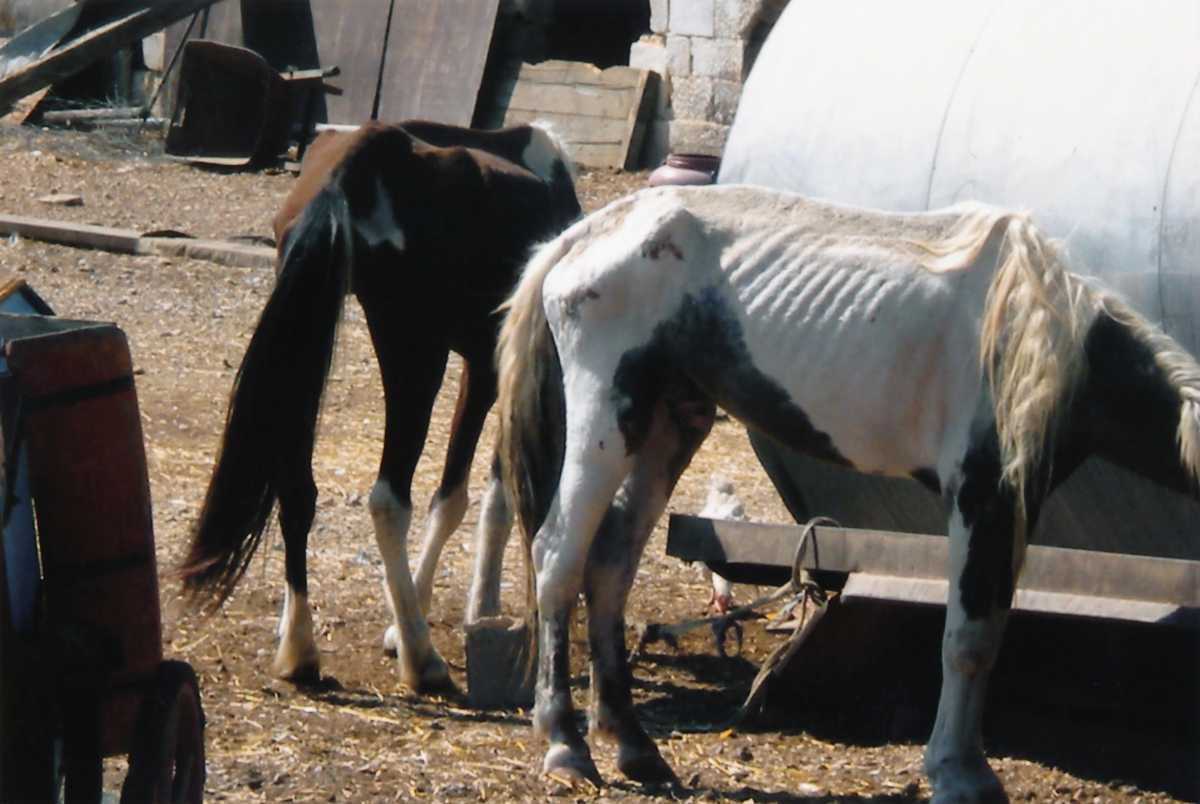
127,241
75,54
80,235
908,555
222,252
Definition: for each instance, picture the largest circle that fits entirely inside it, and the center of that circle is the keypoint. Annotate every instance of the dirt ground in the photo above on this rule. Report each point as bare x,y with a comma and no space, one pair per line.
362,736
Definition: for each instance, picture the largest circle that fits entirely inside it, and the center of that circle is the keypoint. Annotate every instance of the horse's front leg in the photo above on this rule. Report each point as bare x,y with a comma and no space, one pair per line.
985,552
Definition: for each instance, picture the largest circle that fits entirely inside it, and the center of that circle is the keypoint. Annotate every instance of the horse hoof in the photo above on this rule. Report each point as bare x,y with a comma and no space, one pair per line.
305,675
433,676
571,767
391,641
645,766
968,781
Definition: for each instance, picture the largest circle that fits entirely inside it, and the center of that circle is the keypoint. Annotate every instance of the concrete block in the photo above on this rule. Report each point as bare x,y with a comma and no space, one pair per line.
726,95
660,11
500,669
734,18
650,53
692,98
717,58
693,17
688,136
679,55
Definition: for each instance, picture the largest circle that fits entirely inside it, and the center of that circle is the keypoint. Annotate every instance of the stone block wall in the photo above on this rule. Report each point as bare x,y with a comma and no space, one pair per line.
703,49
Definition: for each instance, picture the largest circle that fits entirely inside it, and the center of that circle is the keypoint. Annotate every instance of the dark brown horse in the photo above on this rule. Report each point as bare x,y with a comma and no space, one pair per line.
428,225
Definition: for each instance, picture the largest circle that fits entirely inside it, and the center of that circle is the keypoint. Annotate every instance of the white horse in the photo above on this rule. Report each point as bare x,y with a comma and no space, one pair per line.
951,345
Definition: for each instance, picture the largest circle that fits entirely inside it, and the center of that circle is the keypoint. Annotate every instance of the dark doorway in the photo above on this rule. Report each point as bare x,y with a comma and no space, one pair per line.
596,31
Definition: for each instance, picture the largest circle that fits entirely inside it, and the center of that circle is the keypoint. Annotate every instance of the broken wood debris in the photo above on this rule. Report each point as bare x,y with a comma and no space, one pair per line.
95,30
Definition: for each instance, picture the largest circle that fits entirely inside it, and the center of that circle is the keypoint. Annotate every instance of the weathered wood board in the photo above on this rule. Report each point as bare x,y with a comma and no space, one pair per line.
427,63
600,113
436,53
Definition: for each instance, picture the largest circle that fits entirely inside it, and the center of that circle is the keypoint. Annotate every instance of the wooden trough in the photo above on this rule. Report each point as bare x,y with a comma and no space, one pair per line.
1101,657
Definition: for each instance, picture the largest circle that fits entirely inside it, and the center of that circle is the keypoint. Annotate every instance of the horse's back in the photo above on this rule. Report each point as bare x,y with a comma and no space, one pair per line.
813,303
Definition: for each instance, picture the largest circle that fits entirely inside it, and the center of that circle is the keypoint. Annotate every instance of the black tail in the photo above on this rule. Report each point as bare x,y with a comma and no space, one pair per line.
276,396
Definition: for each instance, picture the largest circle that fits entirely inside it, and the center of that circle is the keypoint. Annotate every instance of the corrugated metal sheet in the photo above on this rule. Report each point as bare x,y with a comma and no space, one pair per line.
1086,112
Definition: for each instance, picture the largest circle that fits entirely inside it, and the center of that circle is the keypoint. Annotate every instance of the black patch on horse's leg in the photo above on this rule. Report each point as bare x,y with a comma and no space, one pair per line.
297,508
681,421
988,509
704,341
554,714
476,396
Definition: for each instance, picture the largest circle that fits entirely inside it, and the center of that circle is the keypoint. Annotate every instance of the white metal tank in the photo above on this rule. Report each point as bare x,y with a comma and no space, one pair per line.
1084,112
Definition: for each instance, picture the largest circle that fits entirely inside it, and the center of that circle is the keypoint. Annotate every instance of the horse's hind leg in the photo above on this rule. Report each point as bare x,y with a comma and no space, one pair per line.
491,537
296,657
984,556
412,373
477,392
676,432
594,465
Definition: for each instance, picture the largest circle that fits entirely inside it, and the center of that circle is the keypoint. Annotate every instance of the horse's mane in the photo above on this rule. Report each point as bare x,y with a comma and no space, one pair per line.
1177,365
1035,318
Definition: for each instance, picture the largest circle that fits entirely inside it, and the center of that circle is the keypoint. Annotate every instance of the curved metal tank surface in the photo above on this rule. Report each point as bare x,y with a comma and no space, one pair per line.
1084,112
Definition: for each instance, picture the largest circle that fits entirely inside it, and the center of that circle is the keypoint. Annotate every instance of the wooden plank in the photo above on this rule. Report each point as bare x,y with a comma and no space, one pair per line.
566,99
576,130
908,555
80,235
600,114
635,129
221,252
580,74
351,37
127,241
111,34
931,592
436,53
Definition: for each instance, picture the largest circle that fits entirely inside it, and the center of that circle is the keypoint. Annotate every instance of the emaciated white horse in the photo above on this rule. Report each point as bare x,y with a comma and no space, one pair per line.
952,346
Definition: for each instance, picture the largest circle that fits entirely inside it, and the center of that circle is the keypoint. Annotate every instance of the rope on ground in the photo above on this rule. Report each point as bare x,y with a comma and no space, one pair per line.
802,591
805,591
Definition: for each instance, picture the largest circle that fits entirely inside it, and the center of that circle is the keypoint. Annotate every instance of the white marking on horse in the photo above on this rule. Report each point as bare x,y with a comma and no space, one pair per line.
419,663
297,652
491,536
445,515
381,226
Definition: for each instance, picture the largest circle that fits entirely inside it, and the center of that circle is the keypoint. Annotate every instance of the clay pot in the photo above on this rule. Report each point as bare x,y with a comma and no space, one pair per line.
686,169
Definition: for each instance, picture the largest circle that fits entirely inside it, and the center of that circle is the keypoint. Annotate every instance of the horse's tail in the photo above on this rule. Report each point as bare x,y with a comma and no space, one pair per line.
1031,342
530,401
276,396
